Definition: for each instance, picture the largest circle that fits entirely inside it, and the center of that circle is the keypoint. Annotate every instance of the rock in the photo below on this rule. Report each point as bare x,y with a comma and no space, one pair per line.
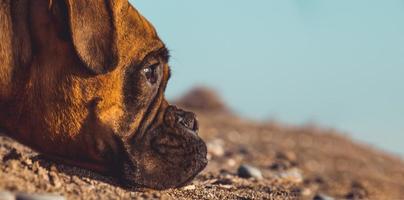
286,155
358,192
293,175
76,180
53,168
28,161
203,99
215,148
223,181
87,189
13,164
189,187
54,179
247,171
231,162
279,166
36,167
22,196
7,196
226,186
306,191
284,161
243,150
322,197
12,155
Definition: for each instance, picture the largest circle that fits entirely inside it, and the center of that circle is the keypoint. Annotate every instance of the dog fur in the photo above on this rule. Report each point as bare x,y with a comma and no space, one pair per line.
71,87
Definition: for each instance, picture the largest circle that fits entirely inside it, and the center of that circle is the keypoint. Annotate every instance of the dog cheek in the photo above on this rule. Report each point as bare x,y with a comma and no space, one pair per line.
111,117
109,108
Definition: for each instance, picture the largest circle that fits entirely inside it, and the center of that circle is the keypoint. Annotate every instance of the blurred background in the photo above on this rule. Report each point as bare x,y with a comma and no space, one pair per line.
338,64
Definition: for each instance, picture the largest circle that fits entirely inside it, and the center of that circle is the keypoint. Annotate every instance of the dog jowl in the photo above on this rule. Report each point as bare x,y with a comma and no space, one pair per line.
83,81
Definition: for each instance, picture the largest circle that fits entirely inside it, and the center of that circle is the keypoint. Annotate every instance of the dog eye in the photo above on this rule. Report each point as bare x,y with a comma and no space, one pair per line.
151,73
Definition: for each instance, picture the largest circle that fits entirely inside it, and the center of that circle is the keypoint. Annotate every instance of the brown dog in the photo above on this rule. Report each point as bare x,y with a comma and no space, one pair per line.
83,81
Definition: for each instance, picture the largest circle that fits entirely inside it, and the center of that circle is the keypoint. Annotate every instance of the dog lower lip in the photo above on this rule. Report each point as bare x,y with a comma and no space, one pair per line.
189,131
188,123
192,126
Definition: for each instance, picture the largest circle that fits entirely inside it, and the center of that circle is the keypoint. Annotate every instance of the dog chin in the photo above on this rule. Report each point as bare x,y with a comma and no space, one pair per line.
168,156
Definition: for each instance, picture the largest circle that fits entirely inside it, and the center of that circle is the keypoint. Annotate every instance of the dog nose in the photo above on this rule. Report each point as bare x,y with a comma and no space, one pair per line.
188,120
175,116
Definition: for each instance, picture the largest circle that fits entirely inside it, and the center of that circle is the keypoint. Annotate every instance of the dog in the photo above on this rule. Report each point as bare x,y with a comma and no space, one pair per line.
83,81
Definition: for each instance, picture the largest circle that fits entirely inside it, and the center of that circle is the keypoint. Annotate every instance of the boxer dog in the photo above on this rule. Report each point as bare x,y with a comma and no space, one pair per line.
83,82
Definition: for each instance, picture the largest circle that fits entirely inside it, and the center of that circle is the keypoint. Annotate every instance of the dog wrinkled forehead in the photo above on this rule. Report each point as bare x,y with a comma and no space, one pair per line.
136,35
106,34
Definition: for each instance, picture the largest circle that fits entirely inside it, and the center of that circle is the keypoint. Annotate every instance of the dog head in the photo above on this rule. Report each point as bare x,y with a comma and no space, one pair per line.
92,92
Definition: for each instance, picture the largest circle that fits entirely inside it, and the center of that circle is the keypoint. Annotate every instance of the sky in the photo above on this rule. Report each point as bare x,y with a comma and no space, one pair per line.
339,64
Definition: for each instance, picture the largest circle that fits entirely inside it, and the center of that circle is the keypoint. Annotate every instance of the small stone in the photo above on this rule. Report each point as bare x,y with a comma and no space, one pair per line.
42,174
280,165
215,148
224,181
76,180
54,179
53,168
358,192
165,197
13,164
156,195
28,161
231,162
6,196
12,155
293,175
225,186
87,188
189,187
286,155
243,151
247,171
322,197
203,99
22,196
36,167
306,192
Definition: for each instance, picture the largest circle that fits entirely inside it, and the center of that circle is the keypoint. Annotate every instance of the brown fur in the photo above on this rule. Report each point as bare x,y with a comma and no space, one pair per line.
71,87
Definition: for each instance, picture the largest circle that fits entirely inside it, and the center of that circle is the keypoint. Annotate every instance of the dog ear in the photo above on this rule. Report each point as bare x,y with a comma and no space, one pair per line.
93,33
15,42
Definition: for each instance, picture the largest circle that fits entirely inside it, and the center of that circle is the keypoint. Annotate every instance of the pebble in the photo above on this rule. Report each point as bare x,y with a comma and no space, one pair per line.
322,197
23,196
36,167
28,161
293,175
247,171
189,187
76,179
6,196
13,164
215,148
231,162
284,161
12,155
306,192
358,192
54,179
224,181
225,186
286,155
53,168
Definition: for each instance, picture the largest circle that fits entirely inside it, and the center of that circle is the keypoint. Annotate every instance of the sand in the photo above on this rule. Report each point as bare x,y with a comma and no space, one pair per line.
296,162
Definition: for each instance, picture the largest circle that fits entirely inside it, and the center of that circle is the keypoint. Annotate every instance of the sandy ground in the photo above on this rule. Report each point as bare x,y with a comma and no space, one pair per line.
296,163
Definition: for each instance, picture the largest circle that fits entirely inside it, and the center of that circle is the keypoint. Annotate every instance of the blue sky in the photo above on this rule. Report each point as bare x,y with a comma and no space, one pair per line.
336,63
